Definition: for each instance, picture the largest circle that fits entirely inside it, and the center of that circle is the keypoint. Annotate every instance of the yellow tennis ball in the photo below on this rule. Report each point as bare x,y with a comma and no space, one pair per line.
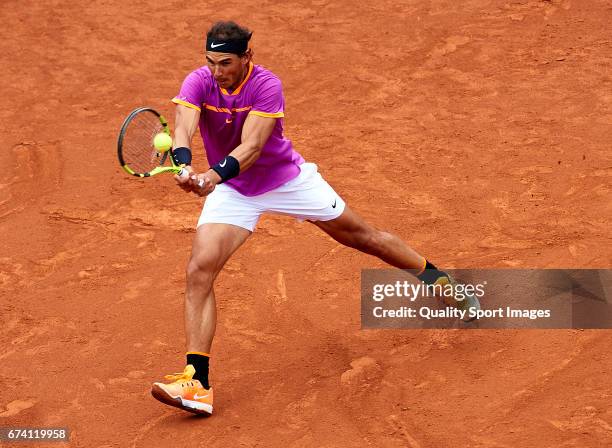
162,142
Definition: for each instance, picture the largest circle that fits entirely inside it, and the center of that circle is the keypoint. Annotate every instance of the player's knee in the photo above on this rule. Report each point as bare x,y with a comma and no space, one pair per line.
366,240
201,269
375,242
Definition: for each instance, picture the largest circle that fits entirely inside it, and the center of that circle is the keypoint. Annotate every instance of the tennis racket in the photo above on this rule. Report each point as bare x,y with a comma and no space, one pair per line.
137,154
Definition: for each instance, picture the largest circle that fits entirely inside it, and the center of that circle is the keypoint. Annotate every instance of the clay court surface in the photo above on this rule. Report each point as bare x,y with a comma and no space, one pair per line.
478,131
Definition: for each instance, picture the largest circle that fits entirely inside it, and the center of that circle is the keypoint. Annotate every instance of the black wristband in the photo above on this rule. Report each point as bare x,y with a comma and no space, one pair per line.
227,168
182,156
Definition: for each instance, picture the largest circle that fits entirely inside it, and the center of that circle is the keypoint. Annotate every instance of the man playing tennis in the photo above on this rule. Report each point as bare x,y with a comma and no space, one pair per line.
238,107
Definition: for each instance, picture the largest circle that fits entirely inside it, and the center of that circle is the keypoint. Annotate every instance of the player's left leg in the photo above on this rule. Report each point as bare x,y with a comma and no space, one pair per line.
352,231
310,197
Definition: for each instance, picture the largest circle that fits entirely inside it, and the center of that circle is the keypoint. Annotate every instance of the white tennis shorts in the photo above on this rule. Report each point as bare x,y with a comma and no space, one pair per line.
306,197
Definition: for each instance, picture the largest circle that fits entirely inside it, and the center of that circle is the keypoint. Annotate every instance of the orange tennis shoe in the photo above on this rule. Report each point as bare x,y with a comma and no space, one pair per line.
469,303
184,392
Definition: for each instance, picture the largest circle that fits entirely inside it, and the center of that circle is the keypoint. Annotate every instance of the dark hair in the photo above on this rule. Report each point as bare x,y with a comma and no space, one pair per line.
229,31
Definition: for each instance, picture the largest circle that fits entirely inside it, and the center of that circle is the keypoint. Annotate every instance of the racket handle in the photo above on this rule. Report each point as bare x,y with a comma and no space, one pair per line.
183,173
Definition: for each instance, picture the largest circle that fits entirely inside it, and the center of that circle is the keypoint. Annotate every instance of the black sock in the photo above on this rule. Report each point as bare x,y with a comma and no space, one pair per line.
200,364
431,274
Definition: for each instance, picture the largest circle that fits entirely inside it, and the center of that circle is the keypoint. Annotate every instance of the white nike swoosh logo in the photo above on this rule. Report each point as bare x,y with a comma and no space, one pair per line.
222,165
215,46
197,397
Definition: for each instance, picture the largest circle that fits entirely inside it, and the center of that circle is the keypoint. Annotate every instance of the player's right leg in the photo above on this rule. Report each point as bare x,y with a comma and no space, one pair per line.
227,220
212,247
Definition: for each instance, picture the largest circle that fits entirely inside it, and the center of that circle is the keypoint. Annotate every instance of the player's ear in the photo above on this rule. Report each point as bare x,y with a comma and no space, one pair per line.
247,56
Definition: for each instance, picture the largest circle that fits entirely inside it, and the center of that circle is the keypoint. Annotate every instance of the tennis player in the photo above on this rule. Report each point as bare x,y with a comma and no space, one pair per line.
239,108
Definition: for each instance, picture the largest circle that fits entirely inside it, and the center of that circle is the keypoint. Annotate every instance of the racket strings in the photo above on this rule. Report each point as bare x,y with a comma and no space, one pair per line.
137,147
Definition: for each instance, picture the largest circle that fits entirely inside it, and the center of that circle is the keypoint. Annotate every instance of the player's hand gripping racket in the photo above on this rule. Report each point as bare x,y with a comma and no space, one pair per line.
138,155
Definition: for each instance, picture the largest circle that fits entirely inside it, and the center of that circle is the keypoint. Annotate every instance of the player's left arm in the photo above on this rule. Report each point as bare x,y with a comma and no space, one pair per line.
255,133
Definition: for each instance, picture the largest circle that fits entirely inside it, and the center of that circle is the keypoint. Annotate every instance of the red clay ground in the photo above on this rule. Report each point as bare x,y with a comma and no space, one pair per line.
477,130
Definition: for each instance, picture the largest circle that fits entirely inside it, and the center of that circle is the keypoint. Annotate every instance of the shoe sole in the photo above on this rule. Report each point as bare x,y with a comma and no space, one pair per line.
161,395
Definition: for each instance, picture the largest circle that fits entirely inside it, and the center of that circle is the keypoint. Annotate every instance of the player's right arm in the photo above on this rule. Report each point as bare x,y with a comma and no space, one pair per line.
185,126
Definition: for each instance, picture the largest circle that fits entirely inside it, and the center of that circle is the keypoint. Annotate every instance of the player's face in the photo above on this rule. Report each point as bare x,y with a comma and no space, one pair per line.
228,69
